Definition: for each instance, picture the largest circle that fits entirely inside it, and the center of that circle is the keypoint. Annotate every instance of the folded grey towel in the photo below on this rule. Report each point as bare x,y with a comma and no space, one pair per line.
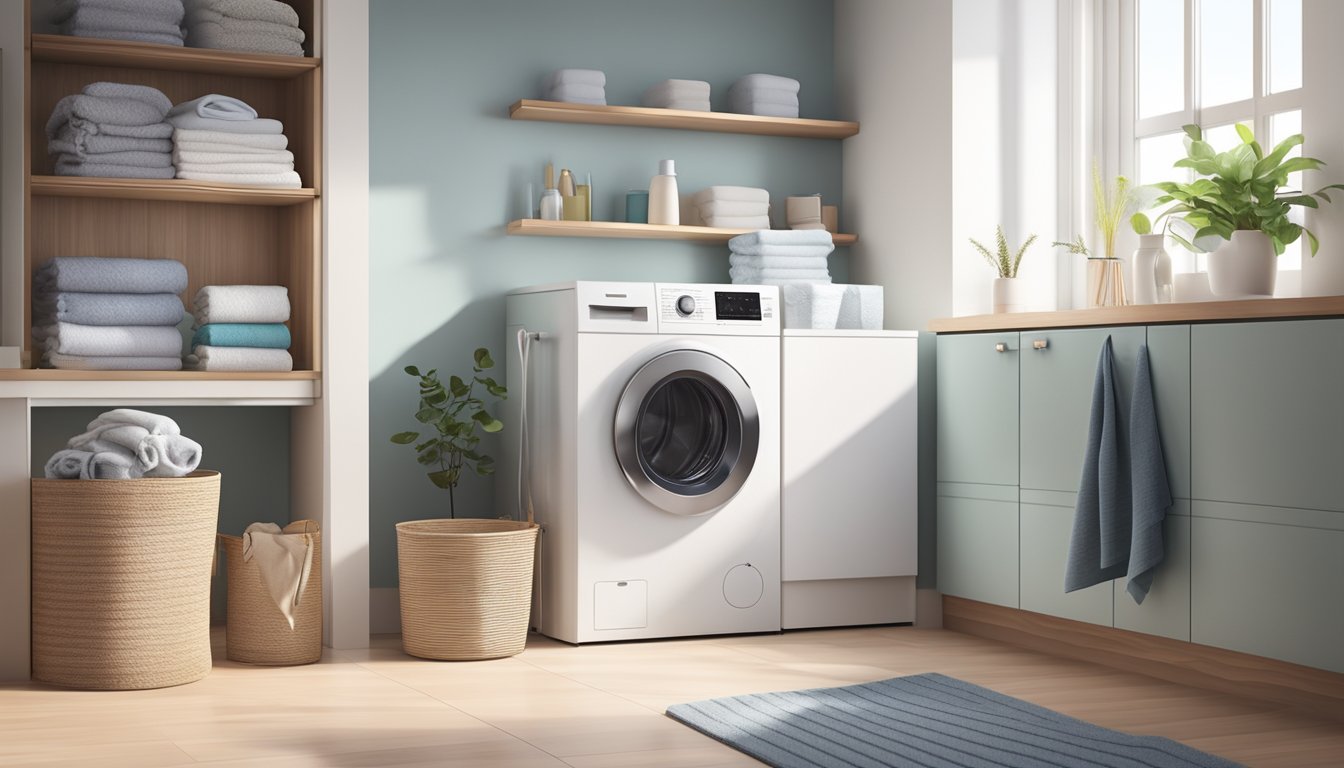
158,38
110,171
139,159
193,122
1102,519
763,96
767,81
216,106
246,26
208,34
111,340
107,308
97,274
577,77
676,90
155,131
157,9
241,304
222,141
1150,489
111,363
84,145
192,169
95,109
68,464
206,358
152,97
258,10
86,17
572,90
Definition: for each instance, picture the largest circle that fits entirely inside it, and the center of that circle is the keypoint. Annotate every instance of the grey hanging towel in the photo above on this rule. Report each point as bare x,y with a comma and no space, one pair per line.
1099,546
1151,491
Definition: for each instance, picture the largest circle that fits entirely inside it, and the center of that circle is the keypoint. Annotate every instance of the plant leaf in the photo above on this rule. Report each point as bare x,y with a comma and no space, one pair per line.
483,359
1193,132
412,370
1142,224
444,478
405,438
488,423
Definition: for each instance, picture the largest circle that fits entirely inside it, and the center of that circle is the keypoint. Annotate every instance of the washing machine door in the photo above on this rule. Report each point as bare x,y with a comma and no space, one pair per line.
687,430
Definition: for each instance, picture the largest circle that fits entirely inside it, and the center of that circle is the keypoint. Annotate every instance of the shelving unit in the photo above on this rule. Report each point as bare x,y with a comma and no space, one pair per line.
647,117
625,230
167,190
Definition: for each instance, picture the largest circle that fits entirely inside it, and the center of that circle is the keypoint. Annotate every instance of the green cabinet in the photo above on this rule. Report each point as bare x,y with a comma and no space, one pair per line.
1169,364
977,542
1166,609
1044,548
977,408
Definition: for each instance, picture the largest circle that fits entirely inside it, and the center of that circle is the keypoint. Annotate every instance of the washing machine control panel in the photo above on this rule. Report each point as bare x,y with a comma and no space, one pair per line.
720,306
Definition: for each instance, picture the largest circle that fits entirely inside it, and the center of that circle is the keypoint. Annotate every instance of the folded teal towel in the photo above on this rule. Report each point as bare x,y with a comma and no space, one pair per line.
261,335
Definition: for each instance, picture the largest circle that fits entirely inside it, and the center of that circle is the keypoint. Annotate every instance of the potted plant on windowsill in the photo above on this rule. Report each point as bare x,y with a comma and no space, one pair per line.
1007,291
1106,272
1239,209
466,584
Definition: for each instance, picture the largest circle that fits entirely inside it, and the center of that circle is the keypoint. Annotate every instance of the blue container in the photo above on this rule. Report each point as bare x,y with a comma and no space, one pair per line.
637,206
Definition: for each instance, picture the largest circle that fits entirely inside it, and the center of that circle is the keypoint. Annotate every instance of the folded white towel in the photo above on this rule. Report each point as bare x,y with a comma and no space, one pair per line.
216,106
812,305
207,358
733,208
776,273
111,363
259,10
767,81
676,90
763,96
286,180
196,157
752,241
70,464
104,274
732,194
762,109
577,77
563,92
736,222
223,37
113,340
777,262
241,304
191,121
220,141
284,562
185,169
93,18
861,308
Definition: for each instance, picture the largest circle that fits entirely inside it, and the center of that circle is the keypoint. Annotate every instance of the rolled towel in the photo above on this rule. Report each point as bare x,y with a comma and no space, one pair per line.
752,242
221,141
577,77
258,10
157,9
70,464
283,561
111,171
107,308
112,363
215,106
153,423
95,18
737,222
731,194
185,169
247,26
767,81
157,38
153,455
777,262
764,96
195,157
113,340
219,37
136,159
194,122
563,92
733,208
207,358
261,335
88,146
241,304
97,274
287,180
763,109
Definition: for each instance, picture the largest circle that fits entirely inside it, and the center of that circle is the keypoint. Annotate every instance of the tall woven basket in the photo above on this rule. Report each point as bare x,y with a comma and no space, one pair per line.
466,587
257,632
121,580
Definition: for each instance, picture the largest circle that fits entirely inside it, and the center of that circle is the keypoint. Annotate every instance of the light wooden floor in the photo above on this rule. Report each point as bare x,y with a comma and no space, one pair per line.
592,707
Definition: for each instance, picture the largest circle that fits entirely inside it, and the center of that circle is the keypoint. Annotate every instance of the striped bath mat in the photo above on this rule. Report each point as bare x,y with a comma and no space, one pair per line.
924,721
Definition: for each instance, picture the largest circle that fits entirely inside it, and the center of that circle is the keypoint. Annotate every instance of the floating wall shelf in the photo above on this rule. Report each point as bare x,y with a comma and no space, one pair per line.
65,49
621,229
687,120
170,190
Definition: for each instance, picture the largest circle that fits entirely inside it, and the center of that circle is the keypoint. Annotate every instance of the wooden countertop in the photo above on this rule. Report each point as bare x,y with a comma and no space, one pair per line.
1150,314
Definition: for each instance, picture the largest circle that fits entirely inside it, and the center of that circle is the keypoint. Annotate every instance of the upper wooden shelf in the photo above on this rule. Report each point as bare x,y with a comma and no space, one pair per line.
120,53
647,117
1148,314
171,190
621,229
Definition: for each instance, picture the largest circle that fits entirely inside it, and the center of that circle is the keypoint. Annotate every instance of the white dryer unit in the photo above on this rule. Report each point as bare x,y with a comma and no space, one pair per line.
653,433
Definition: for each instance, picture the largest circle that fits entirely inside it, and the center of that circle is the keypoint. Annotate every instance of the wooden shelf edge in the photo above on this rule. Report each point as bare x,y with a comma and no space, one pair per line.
53,374
172,190
122,53
1149,314
649,117
629,231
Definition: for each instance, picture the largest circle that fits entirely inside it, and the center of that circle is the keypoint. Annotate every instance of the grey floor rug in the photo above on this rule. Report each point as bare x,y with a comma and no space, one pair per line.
929,721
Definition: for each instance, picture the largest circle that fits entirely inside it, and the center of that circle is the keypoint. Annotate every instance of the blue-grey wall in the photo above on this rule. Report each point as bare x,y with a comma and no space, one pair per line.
449,169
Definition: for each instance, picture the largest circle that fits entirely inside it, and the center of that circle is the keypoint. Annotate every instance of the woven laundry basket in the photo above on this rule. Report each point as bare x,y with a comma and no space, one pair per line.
257,632
466,587
121,580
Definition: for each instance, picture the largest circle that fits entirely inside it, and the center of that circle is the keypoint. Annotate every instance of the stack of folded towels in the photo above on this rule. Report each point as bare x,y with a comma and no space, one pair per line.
768,95
101,314
577,86
220,138
733,207
241,328
255,26
123,444
678,94
780,257
114,130
142,21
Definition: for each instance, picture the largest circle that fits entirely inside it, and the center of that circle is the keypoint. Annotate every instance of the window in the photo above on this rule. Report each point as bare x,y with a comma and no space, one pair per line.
1215,63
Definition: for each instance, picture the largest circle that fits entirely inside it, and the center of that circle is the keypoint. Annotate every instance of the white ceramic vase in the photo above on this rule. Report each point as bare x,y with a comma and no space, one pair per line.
1244,266
1152,271
1007,295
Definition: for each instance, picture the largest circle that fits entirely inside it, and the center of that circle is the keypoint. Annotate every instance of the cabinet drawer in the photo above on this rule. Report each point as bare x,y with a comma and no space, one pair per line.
1044,547
1166,609
977,408
977,549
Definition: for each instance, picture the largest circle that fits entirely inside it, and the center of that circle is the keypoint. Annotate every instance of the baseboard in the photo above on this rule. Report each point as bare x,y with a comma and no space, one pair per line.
384,611
847,602
928,609
1201,666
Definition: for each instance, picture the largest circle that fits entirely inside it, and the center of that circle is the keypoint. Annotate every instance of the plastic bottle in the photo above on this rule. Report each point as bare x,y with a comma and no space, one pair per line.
664,202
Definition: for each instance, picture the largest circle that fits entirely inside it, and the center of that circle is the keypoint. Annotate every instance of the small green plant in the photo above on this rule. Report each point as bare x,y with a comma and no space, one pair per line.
454,412
1112,204
1077,247
1240,189
1004,261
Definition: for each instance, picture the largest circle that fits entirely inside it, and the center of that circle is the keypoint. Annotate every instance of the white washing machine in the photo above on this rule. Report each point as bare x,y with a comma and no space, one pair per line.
653,455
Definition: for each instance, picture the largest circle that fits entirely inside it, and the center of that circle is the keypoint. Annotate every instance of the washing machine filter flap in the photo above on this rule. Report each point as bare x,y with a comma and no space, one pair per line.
687,431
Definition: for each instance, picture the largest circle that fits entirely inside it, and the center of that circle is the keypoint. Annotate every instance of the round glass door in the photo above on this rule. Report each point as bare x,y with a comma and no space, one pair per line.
687,431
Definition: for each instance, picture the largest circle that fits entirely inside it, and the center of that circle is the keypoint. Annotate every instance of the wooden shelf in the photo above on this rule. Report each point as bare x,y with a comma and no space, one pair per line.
686,120
171,190
66,49
625,230
48,387
1148,314
54,374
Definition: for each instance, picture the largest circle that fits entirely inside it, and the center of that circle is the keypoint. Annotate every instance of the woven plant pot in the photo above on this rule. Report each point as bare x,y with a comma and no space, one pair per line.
121,580
257,632
466,587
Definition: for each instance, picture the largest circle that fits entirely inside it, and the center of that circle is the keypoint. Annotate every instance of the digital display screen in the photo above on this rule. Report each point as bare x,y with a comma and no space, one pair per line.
732,305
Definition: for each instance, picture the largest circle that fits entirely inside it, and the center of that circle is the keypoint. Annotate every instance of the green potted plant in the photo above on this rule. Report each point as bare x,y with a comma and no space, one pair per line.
465,583
1239,209
1007,291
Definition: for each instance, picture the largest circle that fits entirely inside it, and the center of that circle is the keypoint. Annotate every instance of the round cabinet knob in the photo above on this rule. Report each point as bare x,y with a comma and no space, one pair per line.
686,306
